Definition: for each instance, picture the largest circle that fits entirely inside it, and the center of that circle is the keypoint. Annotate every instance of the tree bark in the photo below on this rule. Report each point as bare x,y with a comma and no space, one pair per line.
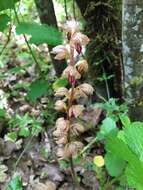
47,16
103,26
133,55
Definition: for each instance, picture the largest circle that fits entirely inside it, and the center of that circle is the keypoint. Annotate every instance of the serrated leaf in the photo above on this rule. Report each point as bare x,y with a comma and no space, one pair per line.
40,33
7,4
134,138
37,89
15,183
114,165
4,19
60,82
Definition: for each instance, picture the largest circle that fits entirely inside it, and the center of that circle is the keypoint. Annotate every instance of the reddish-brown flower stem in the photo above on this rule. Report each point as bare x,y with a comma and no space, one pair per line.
70,102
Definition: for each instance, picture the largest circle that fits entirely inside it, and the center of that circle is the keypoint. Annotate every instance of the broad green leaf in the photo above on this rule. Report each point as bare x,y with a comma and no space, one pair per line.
37,89
60,82
134,138
24,132
134,176
117,147
128,146
7,4
15,183
114,165
107,126
4,19
40,33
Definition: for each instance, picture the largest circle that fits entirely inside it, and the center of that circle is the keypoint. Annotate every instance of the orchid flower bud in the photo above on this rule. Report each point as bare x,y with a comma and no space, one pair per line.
73,148
77,128
86,88
60,92
60,105
76,110
71,71
61,52
82,66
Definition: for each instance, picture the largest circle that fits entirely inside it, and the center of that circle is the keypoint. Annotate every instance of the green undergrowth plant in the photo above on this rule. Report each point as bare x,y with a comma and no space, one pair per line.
23,126
124,147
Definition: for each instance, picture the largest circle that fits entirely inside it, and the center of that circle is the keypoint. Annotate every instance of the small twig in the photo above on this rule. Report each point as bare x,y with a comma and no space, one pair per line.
66,12
8,39
101,97
74,10
88,146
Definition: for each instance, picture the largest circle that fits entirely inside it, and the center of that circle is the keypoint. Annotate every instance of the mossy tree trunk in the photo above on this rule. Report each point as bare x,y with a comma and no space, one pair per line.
47,16
103,26
133,55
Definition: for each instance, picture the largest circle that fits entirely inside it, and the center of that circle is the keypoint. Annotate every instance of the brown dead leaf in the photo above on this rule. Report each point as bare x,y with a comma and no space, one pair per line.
47,186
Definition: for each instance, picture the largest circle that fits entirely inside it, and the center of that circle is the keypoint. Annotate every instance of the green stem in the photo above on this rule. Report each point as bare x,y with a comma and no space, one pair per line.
88,146
27,43
106,84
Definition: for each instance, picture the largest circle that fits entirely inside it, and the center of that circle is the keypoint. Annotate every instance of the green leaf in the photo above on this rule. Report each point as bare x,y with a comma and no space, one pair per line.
24,132
4,19
134,177
124,153
114,165
12,136
2,113
7,4
134,138
37,89
60,82
107,126
125,120
15,183
18,69
40,33
129,148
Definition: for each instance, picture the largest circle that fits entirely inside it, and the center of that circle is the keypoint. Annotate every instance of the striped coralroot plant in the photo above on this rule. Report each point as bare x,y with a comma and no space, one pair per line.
67,128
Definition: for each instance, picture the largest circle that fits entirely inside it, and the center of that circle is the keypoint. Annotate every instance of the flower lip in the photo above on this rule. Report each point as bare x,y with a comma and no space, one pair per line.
61,52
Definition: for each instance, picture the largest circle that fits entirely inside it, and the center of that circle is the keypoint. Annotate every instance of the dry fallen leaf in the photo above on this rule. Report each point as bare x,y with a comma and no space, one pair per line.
47,186
3,175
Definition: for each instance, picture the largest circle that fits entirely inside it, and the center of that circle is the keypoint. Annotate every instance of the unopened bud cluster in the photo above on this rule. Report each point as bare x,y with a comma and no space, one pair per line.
67,128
